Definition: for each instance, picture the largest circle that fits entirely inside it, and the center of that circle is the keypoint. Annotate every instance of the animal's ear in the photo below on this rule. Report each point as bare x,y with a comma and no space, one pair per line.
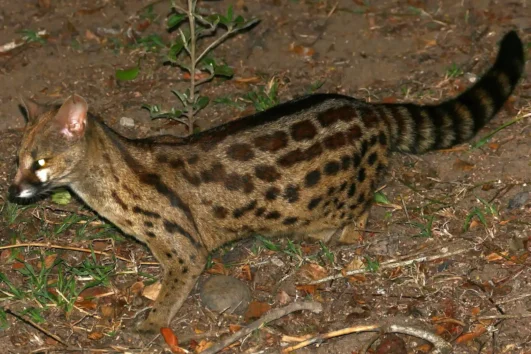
32,109
72,117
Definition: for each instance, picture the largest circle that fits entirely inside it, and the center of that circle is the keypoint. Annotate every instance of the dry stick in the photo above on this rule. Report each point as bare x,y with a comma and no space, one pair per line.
440,345
4,48
270,316
36,326
390,266
507,316
69,248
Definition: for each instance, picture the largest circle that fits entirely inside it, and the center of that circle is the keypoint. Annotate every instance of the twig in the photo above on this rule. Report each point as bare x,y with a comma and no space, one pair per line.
70,248
495,317
390,265
523,296
321,337
440,345
270,316
36,326
4,48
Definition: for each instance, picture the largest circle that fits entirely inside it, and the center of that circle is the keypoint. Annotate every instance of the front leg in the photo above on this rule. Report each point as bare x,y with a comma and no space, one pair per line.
182,266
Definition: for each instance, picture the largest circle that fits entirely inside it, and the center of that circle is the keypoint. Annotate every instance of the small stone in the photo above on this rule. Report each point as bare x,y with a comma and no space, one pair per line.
518,200
221,293
470,77
127,122
278,262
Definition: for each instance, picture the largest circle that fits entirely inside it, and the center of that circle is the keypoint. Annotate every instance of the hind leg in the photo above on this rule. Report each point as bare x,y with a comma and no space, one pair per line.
353,233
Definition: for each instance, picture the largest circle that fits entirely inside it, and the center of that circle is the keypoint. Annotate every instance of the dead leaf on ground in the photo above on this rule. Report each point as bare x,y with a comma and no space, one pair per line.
137,287
203,345
307,289
95,335
301,50
312,271
257,309
233,328
86,304
171,340
152,291
463,165
217,267
467,337
244,273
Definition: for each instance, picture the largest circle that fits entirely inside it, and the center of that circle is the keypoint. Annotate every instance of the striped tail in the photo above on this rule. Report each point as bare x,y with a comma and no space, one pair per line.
417,129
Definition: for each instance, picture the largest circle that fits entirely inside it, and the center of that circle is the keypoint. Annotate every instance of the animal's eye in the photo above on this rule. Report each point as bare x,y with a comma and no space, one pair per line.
40,163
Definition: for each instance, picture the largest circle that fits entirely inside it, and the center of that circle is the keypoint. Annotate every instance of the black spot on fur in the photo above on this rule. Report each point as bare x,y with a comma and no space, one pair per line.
291,194
312,178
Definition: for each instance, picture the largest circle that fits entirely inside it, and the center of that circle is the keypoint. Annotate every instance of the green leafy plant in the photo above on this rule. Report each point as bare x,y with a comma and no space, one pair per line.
424,228
265,97
30,36
200,67
372,265
454,71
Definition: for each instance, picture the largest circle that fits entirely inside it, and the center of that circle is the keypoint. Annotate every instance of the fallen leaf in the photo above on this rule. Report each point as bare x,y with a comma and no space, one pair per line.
312,271
152,291
95,335
49,260
494,146
86,304
107,311
93,292
357,278
91,36
467,337
244,273
171,340
307,289
493,257
355,264
217,267
203,345
256,309
137,287
462,165
233,328
301,50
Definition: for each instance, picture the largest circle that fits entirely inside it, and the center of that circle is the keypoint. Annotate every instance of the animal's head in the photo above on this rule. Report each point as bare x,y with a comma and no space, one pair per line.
52,147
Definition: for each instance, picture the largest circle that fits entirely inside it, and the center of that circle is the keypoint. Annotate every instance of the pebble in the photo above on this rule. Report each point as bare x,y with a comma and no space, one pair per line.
127,122
221,293
518,200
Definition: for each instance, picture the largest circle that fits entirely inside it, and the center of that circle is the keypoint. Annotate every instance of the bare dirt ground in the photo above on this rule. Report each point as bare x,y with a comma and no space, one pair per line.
470,200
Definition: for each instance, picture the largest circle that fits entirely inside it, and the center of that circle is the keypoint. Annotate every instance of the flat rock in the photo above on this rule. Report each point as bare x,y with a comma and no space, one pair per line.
221,293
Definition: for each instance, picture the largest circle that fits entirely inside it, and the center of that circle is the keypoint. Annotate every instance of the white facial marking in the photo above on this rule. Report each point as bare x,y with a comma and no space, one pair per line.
42,175
26,193
41,162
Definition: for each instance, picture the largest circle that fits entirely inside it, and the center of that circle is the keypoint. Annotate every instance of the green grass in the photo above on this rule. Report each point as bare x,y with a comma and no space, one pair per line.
453,71
264,97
